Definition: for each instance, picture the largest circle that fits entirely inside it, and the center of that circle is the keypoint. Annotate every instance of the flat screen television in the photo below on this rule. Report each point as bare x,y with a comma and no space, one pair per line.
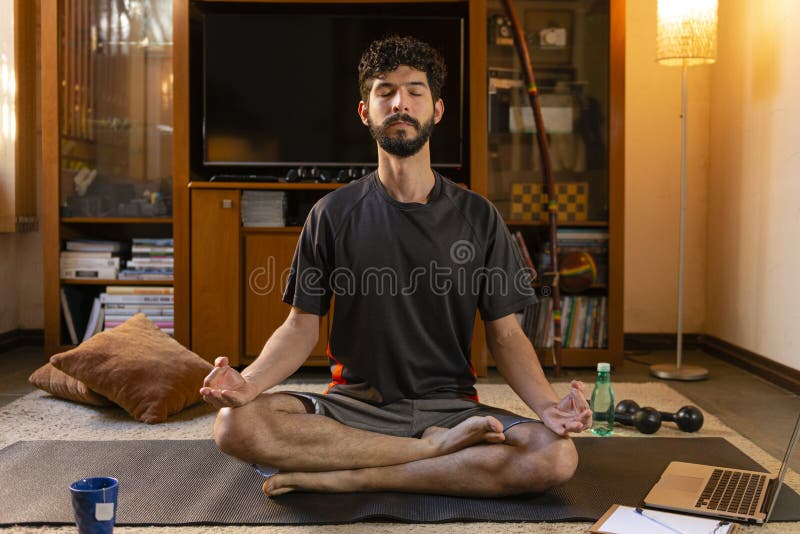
279,82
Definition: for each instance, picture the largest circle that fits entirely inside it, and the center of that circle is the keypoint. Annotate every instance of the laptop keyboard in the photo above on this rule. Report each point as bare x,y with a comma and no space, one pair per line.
732,491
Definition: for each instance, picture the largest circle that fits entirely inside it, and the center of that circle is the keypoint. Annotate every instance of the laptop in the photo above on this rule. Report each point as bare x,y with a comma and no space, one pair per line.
721,492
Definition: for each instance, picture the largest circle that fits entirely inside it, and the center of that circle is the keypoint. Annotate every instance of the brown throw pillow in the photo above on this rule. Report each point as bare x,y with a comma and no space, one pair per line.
136,365
62,385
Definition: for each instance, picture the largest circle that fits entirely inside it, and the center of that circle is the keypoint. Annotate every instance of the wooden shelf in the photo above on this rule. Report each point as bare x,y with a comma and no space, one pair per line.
114,282
578,357
274,186
571,224
116,220
271,229
539,285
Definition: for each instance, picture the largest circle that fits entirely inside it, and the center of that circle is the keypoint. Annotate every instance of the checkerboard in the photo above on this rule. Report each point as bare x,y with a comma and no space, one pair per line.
529,201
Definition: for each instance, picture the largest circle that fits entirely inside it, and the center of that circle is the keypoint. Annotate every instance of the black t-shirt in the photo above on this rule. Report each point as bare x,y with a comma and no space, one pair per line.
407,280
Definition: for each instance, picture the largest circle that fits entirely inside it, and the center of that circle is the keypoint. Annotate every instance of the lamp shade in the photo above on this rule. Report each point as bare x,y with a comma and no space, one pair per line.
687,32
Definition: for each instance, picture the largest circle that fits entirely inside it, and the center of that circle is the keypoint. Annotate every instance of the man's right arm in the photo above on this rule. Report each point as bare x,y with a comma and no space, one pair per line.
285,351
283,354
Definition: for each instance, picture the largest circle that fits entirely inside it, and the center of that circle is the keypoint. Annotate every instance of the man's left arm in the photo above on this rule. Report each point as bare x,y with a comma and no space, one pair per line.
517,362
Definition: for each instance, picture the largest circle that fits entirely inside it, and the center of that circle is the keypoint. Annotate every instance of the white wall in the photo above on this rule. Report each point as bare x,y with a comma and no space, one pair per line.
753,222
652,183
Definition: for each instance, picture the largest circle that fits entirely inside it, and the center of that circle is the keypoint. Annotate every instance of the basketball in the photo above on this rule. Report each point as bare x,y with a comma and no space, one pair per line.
577,271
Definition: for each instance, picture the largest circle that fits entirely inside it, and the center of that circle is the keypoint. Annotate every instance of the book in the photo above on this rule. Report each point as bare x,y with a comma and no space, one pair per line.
603,326
591,331
153,241
153,255
94,245
132,309
106,298
149,263
89,273
548,325
629,520
139,249
128,274
94,319
88,254
580,322
139,290
67,314
76,306
80,262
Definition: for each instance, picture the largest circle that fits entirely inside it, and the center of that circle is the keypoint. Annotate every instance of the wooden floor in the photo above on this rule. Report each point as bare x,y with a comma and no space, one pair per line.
760,411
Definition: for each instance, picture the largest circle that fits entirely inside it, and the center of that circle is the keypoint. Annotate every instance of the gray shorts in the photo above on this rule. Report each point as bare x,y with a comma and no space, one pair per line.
406,417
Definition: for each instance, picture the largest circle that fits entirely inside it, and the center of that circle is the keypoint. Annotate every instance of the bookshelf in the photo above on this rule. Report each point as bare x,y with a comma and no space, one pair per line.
106,141
581,85
215,312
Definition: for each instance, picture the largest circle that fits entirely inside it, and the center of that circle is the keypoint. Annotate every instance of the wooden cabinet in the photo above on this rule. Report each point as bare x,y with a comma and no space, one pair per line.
268,257
237,280
216,285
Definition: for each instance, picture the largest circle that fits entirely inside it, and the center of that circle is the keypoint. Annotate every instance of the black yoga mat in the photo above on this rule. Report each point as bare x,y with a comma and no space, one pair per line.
175,482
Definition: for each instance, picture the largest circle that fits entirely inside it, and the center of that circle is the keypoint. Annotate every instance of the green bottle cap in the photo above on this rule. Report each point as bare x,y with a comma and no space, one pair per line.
604,367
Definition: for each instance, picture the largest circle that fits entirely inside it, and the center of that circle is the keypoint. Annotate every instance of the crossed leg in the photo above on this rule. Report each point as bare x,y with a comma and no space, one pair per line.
316,453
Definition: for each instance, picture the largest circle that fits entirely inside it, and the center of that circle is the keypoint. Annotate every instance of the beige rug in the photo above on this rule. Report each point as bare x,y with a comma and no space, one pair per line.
40,416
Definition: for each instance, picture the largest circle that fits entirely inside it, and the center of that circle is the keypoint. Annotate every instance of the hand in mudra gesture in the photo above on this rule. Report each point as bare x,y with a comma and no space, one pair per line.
570,414
225,387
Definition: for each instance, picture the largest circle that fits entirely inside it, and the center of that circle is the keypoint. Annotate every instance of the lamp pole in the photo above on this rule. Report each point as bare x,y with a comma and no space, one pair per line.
679,371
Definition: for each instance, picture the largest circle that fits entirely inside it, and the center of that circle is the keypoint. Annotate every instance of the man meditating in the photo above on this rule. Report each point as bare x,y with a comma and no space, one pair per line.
410,257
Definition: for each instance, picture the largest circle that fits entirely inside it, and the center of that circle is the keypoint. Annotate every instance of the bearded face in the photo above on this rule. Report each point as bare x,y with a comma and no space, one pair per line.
395,139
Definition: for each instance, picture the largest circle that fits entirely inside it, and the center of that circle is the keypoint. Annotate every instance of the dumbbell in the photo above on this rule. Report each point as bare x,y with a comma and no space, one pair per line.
689,418
646,420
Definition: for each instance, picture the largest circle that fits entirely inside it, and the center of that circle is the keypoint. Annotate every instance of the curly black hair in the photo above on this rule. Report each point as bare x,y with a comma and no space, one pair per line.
385,55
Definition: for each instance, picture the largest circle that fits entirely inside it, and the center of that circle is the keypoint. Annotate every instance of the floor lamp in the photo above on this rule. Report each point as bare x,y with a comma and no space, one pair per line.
686,36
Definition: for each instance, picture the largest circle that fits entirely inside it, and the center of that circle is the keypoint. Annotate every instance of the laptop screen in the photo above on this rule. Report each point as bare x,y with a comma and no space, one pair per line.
784,467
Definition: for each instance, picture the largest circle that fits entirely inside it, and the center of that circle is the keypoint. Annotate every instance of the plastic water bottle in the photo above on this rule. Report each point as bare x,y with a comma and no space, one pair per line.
603,402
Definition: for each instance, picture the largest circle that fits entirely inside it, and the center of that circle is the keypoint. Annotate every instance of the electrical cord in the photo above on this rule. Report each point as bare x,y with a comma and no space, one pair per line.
628,355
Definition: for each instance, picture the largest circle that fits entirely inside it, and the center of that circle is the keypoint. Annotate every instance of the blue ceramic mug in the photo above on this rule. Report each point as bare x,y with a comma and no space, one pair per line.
95,503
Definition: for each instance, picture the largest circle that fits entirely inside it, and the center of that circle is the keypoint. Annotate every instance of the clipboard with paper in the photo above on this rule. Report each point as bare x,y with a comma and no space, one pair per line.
626,520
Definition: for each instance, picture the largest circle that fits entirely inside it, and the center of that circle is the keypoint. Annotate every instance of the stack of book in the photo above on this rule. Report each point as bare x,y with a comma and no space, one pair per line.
151,259
584,322
263,208
91,259
120,303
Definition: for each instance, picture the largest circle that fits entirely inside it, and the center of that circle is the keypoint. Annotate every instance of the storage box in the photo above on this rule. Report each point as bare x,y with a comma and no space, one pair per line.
529,201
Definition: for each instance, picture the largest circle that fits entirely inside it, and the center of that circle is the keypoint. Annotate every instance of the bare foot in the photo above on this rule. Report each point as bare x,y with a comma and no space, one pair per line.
276,485
467,433
328,482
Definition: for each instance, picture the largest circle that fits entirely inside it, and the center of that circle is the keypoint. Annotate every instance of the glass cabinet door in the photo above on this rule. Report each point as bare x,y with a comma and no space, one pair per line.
116,108
568,43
